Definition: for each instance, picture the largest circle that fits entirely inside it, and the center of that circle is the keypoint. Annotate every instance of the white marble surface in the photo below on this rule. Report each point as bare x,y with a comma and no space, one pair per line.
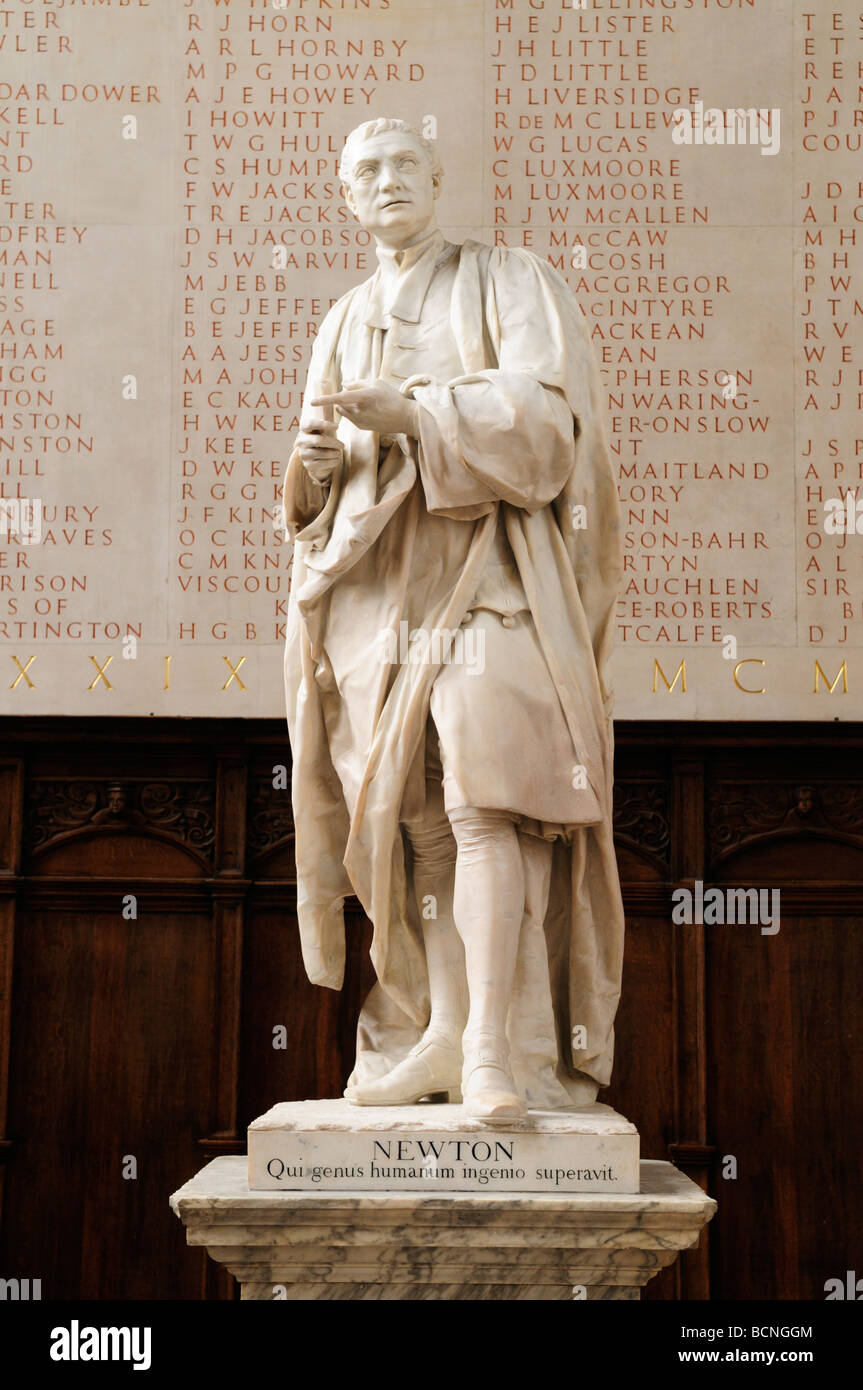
331,1145
598,1120
441,1245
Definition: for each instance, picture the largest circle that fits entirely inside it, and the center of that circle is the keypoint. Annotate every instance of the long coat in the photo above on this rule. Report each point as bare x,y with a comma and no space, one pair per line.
523,342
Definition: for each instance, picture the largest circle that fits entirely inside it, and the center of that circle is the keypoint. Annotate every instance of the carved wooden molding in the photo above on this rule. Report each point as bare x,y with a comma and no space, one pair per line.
641,817
742,813
270,816
183,811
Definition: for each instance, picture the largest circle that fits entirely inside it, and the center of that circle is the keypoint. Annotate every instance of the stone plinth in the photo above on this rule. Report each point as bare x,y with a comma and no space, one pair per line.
333,1146
441,1245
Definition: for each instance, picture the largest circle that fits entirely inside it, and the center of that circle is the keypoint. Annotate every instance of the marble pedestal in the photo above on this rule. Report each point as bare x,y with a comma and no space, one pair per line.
331,1145
299,1245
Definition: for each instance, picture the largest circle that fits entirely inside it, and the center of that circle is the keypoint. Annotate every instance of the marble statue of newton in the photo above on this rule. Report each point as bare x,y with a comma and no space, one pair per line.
456,565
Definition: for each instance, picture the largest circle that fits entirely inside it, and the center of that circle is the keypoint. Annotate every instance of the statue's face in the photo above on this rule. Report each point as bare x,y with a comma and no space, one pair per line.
391,190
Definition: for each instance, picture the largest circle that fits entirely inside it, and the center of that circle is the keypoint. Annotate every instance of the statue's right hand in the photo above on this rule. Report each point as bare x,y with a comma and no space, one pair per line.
321,452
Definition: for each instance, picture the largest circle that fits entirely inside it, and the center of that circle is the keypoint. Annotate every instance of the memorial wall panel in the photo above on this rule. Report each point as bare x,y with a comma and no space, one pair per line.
172,234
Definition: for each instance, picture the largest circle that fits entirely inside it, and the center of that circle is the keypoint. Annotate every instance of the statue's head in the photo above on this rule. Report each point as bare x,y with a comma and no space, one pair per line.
391,176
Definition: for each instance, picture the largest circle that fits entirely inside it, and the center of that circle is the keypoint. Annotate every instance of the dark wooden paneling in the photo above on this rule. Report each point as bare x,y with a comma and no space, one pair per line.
11,793
320,1023
154,1038
112,1029
642,1086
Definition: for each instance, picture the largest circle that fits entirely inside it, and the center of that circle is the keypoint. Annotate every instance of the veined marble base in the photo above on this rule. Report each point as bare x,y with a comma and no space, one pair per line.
442,1245
333,1146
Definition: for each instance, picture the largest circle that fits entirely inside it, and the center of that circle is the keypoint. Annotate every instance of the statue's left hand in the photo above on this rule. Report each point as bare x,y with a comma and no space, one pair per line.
375,405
